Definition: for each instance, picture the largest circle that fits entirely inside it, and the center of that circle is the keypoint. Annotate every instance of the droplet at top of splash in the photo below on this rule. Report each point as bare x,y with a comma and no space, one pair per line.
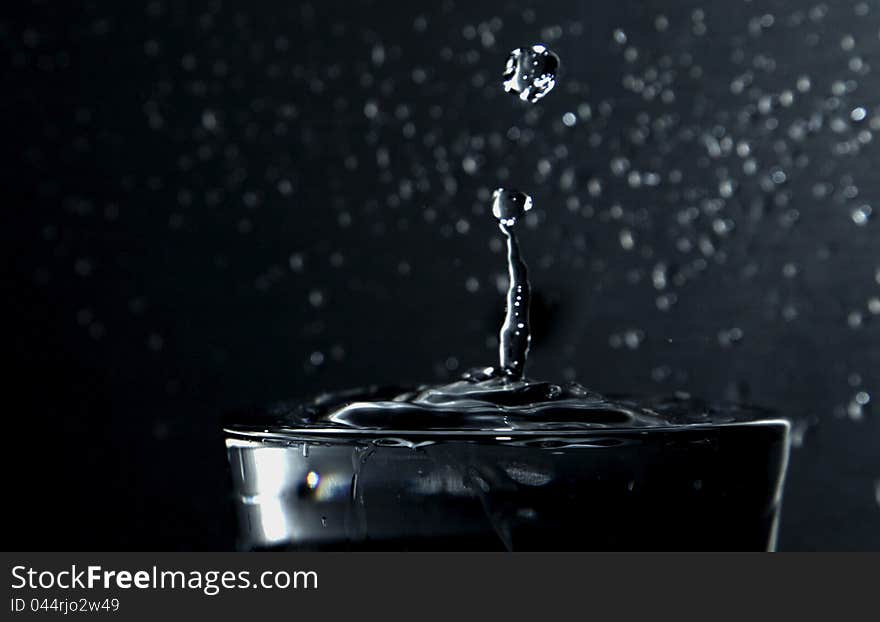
531,72
508,206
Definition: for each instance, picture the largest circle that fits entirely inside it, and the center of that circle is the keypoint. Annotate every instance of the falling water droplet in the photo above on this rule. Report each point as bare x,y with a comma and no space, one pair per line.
531,72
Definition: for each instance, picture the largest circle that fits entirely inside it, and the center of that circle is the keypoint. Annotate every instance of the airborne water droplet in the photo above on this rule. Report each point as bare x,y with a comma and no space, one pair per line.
531,72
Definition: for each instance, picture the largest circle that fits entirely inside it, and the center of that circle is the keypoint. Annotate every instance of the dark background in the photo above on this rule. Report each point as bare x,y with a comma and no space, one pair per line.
215,205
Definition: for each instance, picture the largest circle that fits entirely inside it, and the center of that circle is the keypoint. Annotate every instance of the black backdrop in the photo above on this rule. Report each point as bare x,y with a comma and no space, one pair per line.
214,205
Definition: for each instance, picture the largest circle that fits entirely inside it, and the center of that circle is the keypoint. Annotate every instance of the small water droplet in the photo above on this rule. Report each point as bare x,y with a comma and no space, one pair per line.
861,215
531,72
510,205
